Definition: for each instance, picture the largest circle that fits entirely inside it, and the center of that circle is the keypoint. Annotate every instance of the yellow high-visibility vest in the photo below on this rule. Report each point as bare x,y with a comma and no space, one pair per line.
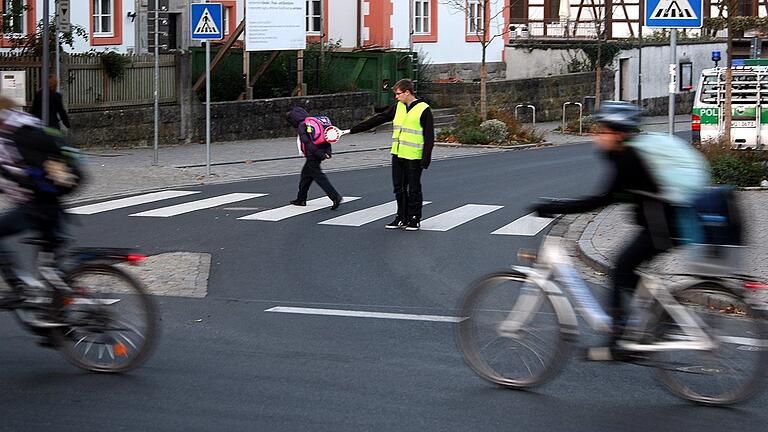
407,133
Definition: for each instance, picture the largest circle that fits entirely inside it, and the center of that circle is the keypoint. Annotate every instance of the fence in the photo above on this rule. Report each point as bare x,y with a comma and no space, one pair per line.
86,85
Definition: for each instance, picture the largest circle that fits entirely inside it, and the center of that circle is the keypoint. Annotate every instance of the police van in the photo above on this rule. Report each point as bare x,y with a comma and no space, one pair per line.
749,105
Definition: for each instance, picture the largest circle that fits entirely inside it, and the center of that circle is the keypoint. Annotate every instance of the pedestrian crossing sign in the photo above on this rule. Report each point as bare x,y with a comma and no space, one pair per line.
206,20
674,13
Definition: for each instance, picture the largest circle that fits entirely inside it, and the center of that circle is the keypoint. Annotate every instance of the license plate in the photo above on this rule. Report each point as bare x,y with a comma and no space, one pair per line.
743,123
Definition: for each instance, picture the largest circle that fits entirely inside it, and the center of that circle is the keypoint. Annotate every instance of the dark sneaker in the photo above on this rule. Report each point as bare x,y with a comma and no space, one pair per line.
413,225
337,203
297,202
397,223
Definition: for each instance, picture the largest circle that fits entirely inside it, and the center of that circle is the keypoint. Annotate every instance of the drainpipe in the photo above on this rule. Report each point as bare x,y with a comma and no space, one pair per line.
359,25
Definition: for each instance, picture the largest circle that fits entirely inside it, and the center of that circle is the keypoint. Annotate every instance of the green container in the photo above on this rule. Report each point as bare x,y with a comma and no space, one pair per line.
373,71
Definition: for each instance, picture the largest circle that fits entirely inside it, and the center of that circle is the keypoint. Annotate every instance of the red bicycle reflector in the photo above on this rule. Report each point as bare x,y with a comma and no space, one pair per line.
135,259
695,122
121,350
755,285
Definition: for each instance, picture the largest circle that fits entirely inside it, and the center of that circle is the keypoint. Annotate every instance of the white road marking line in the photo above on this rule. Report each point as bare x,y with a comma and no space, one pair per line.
291,210
362,217
453,218
365,314
198,205
528,225
128,202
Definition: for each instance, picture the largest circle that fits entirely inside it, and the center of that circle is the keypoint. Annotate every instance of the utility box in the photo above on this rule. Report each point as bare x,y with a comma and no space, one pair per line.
374,71
13,85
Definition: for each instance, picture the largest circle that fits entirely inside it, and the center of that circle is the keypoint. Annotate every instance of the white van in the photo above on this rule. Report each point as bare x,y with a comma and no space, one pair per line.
749,105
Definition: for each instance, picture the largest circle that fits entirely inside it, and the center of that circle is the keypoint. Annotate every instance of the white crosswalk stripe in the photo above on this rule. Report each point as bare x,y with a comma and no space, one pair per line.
128,202
291,210
364,216
528,225
198,205
453,218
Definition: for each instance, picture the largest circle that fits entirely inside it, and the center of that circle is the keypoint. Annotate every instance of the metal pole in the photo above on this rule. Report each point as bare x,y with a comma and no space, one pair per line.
672,78
157,84
640,67
58,52
46,63
208,107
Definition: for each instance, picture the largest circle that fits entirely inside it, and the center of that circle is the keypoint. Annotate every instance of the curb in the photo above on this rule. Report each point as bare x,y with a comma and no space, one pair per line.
586,248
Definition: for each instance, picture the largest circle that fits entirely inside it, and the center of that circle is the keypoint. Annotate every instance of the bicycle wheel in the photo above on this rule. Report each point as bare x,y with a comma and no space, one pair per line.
111,321
511,334
735,368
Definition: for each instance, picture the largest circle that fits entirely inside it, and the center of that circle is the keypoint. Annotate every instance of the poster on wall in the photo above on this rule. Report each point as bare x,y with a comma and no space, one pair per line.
272,25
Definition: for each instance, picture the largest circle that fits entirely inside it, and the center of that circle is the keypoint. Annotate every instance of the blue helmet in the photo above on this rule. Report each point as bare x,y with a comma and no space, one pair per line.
619,116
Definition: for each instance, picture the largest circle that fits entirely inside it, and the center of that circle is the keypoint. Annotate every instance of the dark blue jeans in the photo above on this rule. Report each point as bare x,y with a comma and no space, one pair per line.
43,218
406,178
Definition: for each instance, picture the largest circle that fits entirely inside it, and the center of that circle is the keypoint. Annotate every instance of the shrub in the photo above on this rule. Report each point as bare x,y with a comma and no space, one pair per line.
737,169
495,130
471,135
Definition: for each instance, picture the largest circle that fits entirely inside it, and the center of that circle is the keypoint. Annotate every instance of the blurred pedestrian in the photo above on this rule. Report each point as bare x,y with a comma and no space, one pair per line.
56,111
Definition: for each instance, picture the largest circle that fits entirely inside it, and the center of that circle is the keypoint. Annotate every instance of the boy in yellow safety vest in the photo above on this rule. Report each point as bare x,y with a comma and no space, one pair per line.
413,136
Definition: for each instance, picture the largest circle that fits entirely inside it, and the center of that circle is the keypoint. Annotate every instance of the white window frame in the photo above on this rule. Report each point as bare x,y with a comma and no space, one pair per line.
311,17
97,17
422,17
475,17
6,4
225,19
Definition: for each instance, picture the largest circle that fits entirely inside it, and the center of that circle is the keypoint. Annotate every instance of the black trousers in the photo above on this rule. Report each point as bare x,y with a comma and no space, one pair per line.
312,172
406,178
641,249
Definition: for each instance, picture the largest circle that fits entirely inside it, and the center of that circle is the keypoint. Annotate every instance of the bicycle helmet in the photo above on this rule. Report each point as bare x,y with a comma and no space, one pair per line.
619,116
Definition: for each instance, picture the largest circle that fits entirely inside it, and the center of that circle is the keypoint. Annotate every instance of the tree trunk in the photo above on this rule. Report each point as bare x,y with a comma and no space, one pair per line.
483,92
598,72
728,79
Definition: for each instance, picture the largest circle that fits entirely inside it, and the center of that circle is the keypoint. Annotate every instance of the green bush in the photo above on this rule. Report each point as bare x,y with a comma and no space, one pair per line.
741,169
471,135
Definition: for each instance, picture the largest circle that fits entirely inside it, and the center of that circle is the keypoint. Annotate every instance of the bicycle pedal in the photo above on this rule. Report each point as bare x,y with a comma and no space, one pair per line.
599,354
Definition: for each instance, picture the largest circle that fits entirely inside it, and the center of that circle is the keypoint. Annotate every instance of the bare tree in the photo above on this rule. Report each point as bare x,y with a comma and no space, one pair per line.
728,114
480,14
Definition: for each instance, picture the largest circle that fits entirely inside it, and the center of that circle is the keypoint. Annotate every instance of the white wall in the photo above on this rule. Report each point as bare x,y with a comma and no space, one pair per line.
80,16
342,25
655,68
523,63
451,45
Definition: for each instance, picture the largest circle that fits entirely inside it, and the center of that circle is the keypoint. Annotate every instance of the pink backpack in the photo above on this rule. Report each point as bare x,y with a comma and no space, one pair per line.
316,126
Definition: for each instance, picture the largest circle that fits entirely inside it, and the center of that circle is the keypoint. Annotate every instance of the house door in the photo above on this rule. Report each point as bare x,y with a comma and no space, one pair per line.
625,80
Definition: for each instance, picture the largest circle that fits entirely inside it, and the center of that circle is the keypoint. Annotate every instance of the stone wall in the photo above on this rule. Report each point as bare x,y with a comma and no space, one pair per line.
547,94
465,71
659,106
230,121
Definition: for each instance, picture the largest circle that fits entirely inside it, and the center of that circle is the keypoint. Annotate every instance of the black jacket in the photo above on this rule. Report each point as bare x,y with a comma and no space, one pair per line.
426,120
628,174
56,109
312,151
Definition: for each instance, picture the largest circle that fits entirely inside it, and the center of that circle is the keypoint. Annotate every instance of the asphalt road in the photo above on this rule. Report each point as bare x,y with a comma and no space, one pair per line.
224,363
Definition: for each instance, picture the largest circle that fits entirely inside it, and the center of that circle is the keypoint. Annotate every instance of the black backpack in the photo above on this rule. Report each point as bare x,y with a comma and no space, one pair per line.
36,146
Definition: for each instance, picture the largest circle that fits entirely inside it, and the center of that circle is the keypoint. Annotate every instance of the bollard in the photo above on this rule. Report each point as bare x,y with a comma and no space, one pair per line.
580,113
533,108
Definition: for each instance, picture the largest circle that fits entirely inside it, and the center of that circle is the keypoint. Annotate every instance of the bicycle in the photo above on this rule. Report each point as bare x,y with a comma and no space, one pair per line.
97,315
699,337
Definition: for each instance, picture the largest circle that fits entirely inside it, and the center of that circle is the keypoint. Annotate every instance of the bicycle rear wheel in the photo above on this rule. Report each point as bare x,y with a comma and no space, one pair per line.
511,334
111,320
735,368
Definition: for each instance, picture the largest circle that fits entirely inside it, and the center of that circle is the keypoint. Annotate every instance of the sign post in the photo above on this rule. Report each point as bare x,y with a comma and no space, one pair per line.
207,25
673,14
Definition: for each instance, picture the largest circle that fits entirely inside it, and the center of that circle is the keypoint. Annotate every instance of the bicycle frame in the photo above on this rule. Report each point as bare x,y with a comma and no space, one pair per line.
553,264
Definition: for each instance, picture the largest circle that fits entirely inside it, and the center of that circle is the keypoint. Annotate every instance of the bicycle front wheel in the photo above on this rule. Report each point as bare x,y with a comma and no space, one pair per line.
510,333
735,368
111,320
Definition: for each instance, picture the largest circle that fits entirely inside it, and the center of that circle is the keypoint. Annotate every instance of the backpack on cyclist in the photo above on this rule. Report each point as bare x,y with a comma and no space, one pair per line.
316,126
37,145
680,171
720,216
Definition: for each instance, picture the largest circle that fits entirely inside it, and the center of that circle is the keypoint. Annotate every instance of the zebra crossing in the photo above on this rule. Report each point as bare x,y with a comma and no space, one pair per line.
527,225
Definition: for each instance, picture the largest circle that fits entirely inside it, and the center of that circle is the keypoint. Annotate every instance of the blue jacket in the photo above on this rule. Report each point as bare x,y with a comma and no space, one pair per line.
311,151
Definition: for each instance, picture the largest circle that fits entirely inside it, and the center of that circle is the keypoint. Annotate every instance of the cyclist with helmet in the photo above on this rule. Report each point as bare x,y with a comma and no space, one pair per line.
617,125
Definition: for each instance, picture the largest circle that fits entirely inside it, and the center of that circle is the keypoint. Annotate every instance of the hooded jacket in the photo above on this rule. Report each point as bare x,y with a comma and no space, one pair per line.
319,152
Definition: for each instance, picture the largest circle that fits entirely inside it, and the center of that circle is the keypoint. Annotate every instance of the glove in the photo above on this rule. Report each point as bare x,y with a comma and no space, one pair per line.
424,164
